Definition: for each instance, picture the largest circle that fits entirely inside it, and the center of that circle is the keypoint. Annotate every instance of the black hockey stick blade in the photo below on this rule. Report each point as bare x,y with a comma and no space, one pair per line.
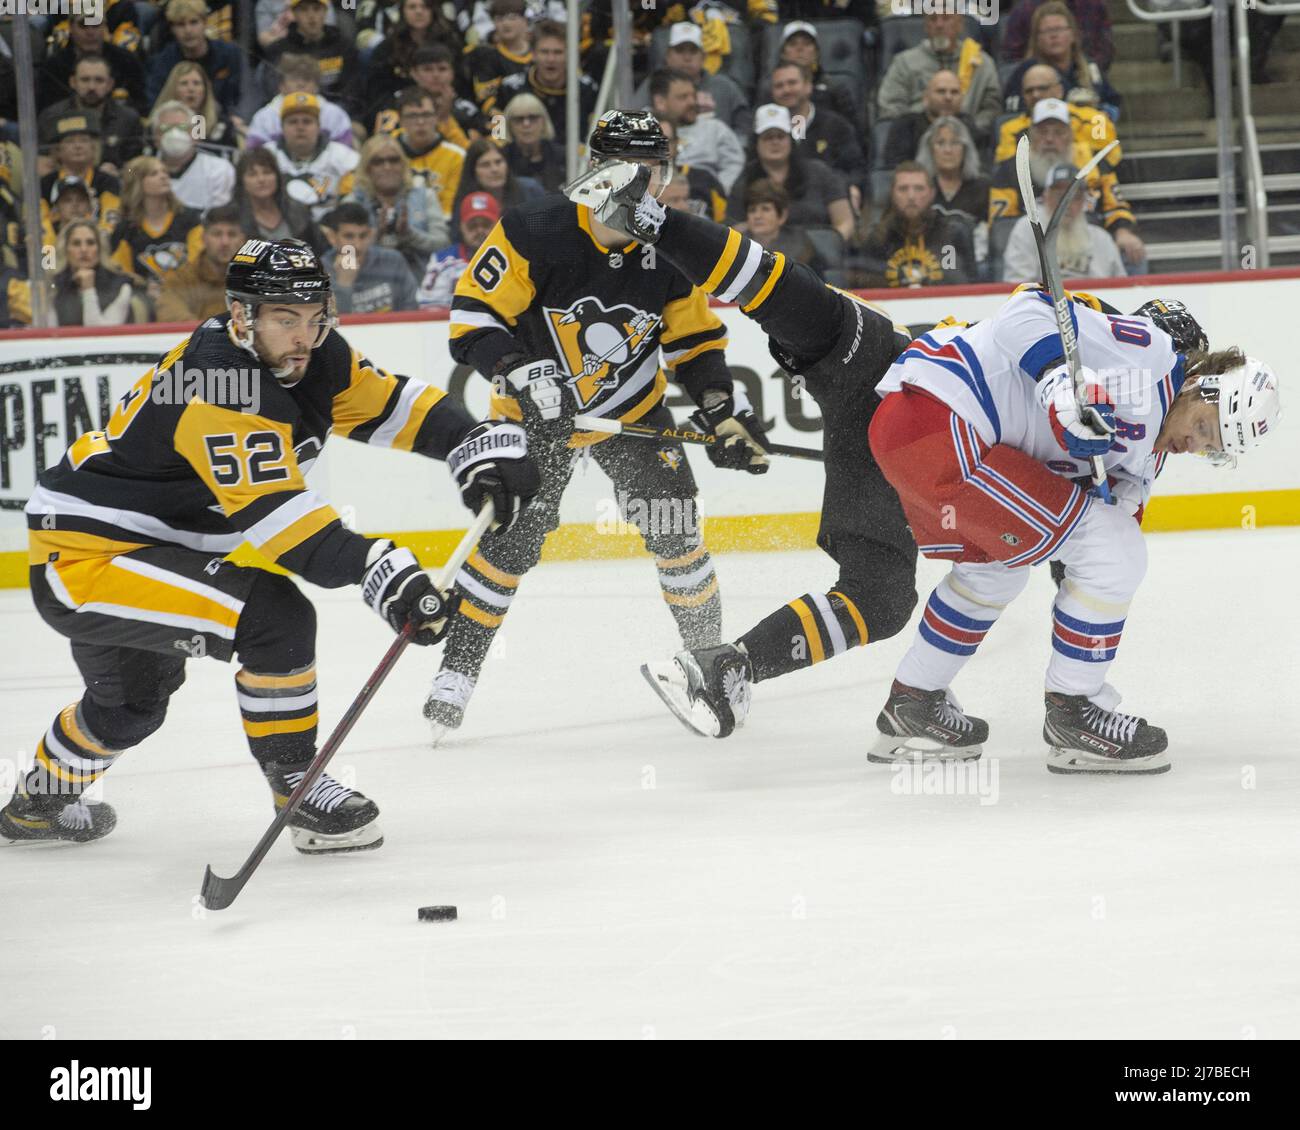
685,435
217,891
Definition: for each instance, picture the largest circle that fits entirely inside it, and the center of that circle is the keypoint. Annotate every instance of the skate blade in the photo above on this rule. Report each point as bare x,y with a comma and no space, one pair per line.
366,838
890,749
667,682
1073,761
597,185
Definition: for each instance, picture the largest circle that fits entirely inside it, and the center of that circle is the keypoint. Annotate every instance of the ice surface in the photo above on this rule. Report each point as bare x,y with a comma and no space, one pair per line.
618,877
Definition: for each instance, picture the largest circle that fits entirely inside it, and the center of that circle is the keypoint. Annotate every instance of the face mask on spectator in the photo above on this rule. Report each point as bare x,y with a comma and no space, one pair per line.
176,142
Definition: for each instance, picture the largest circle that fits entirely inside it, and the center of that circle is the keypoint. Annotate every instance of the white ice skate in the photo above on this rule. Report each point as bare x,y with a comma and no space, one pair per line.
709,689
445,706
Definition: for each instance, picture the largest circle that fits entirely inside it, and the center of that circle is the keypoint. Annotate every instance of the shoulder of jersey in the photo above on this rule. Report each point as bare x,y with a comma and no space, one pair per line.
537,223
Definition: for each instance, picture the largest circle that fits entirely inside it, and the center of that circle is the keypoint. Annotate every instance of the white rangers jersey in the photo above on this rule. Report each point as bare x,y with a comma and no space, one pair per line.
987,374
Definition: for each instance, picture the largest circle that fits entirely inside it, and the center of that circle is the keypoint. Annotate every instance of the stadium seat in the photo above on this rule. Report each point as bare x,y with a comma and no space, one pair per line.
738,65
829,246
840,48
999,233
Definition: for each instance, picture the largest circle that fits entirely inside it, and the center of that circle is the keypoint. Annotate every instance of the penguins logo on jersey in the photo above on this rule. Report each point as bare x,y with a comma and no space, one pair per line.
671,457
161,258
601,345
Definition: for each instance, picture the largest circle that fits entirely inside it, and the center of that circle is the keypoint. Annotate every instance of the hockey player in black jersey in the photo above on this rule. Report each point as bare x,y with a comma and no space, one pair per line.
566,316
862,524
839,346
129,535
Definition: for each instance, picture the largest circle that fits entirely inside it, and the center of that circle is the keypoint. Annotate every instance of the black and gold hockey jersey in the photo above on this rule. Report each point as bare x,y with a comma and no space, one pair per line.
543,286
147,252
208,450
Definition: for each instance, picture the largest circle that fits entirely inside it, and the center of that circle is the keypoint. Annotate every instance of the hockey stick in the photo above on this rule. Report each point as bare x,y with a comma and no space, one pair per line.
218,892
1080,178
683,435
1060,304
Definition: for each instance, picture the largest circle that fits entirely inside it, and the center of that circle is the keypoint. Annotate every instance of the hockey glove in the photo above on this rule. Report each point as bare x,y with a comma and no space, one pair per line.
1082,433
740,433
538,386
397,588
492,461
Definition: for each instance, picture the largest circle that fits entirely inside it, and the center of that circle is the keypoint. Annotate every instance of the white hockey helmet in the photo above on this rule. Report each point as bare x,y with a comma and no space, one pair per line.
1249,406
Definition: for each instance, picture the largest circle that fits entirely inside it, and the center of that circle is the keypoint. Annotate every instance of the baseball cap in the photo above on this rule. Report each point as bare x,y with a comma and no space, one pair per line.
299,102
85,122
1059,174
771,116
685,32
70,184
798,27
1052,108
480,204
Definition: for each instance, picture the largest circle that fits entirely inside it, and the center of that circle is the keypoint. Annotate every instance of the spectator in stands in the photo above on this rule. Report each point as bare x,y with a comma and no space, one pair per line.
200,180
121,130
88,35
1052,142
299,74
818,195
546,78
1054,39
533,151
70,200
188,84
820,133
367,279
704,190
318,172
767,210
389,69
913,245
308,33
947,47
479,213
438,162
85,291
1091,17
706,143
486,170
1083,250
948,153
76,154
677,194
157,233
508,51
799,45
459,120
265,209
197,290
222,61
1093,130
942,99
15,299
718,94
404,212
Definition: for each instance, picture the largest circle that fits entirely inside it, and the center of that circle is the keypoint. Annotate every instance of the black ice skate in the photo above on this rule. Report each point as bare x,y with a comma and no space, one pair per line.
27,819
708,689
918,725
1085,738
331,818
615,191
445,706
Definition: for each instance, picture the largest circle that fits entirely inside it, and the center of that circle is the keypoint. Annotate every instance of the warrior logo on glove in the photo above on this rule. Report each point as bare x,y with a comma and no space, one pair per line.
601,346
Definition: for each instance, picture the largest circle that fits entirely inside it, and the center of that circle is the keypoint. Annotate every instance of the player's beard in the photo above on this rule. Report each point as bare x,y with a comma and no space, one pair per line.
1073,248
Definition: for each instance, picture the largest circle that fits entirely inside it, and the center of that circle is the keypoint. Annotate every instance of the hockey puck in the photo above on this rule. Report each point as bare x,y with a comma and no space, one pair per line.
437,914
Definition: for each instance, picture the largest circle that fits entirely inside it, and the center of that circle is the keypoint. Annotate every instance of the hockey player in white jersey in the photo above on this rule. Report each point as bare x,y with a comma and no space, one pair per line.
980,433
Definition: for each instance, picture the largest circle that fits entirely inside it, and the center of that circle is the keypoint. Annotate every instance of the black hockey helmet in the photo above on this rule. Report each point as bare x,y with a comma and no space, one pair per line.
1177,321
283,270
624,135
